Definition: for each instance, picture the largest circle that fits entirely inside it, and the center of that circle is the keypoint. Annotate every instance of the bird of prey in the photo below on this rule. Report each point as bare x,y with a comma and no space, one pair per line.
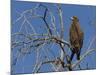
76,37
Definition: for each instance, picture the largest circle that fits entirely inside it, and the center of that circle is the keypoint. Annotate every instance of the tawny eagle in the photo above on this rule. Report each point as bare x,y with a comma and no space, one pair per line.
76,37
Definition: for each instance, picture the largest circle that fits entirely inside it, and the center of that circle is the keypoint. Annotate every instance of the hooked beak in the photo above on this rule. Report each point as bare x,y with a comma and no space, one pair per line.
71,18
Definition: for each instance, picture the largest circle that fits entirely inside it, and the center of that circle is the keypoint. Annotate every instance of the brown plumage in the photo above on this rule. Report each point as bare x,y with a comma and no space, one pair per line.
76,37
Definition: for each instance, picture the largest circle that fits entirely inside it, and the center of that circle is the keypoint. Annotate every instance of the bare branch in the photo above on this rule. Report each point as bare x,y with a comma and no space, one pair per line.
44,19
61,20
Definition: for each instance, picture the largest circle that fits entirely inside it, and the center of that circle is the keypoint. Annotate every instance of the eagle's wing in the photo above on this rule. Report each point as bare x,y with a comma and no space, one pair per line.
72,36
81,39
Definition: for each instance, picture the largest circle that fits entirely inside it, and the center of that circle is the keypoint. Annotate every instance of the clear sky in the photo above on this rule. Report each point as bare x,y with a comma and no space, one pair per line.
86,15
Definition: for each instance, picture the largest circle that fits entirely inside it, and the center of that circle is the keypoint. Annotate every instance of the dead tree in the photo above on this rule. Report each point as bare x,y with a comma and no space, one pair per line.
25,43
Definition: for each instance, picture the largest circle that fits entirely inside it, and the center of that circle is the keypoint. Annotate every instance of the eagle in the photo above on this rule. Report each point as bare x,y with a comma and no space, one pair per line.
76,37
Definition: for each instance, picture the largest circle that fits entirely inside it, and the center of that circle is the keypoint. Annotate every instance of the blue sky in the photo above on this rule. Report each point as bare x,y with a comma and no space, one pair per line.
86,15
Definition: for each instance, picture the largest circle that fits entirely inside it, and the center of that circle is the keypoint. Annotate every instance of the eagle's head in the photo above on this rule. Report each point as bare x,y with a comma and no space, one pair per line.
75,19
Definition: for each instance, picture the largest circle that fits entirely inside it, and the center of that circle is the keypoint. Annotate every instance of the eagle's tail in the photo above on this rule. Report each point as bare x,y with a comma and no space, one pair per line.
77,55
